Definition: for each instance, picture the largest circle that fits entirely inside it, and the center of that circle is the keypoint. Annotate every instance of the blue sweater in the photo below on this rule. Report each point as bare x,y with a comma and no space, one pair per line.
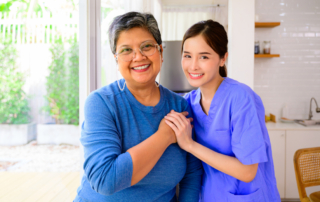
114,122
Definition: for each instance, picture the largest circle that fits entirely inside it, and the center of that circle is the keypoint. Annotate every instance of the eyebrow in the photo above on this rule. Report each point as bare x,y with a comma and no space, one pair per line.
199,53
125,45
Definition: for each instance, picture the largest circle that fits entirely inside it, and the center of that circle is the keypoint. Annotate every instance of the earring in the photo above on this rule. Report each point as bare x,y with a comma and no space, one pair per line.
158,84
119,82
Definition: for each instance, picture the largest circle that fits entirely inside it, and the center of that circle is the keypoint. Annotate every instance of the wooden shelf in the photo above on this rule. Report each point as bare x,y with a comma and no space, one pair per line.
266,55
267,24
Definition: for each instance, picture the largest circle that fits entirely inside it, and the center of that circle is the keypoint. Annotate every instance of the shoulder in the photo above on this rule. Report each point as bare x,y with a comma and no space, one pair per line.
173,97
239,91
242,95
103,95
111,89
192,96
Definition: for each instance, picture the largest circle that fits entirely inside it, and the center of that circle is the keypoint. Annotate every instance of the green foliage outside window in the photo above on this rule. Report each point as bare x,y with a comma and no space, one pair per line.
63,83
14,106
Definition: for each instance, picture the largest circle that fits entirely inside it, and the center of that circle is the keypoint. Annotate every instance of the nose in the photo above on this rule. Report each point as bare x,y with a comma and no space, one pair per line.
137,56
194,64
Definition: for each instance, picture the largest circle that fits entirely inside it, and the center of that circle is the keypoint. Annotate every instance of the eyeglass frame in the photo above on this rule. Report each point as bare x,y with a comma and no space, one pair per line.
134,52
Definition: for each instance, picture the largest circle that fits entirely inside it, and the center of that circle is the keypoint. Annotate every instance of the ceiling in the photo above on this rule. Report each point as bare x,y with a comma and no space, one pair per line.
192,2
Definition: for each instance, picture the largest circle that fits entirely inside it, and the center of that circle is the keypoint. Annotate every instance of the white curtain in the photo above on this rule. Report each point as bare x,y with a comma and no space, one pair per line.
146,6
176,21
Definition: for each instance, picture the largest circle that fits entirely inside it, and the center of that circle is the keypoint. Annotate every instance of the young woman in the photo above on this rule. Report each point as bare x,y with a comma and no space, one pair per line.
231,137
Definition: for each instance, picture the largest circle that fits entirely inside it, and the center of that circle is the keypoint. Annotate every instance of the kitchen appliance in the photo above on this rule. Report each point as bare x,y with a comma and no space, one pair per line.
172,76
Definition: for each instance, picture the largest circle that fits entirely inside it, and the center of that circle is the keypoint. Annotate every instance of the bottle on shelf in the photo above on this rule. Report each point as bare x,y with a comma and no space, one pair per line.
256,47
266,47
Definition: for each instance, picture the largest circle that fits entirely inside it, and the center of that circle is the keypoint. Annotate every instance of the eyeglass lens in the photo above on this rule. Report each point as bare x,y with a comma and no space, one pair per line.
147,49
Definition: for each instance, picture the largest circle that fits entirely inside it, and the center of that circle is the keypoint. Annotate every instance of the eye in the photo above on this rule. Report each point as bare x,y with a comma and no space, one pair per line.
147,46
204,57
125,51
187,56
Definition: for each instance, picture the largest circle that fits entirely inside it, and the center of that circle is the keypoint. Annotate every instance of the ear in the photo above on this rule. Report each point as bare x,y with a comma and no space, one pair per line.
115,57
161,51
224,59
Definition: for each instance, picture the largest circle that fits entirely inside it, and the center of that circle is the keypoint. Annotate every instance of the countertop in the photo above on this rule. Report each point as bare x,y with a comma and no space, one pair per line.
290,126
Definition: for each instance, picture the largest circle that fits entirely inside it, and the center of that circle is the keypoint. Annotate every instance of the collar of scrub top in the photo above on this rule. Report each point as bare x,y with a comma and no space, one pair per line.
217,100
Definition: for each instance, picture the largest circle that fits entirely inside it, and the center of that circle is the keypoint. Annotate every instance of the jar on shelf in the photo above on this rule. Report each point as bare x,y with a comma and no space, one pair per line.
266,47
256,47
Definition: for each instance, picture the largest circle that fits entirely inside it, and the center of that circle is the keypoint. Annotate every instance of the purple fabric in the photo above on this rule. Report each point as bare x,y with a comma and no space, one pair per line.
235,127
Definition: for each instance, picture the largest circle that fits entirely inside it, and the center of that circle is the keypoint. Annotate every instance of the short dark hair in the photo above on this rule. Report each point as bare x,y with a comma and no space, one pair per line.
130,20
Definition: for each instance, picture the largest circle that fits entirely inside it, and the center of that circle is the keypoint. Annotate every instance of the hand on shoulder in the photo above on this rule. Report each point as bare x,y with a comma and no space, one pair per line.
182,128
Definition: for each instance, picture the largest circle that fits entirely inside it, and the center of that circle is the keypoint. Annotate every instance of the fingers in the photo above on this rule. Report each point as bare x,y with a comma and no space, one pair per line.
174,120
181,117
172,126
179,120
190,119
185,113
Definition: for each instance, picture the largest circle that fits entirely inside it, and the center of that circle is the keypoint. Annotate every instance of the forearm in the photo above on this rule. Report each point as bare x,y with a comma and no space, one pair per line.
146,154
226,164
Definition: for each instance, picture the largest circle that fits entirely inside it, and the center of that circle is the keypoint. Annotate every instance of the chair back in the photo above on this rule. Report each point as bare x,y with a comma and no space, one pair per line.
307,169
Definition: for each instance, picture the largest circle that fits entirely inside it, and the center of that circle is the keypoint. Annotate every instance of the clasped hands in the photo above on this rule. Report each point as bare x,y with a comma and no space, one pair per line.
182,128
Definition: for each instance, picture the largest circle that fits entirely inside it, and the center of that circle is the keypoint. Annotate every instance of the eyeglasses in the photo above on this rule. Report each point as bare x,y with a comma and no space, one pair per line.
147,48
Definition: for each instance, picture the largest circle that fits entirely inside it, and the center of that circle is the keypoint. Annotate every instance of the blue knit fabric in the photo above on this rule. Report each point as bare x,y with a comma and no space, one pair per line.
114,122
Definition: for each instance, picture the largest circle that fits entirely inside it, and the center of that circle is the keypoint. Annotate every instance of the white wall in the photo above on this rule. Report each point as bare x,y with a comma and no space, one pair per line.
294,77
241,43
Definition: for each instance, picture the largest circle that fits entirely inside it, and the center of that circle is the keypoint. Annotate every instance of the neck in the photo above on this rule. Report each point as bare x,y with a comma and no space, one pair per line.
209,89
147,94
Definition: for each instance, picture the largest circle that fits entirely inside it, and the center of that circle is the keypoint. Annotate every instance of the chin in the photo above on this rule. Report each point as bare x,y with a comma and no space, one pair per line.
194,83
144,80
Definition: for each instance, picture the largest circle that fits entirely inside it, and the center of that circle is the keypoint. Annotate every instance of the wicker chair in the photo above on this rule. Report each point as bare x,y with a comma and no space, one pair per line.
307,169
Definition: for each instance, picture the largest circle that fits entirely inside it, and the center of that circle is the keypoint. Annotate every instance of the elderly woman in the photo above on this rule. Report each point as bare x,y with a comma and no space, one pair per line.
130,152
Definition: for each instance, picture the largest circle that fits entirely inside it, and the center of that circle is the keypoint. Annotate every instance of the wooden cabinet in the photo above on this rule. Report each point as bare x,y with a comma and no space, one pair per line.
277,139
298,139
284,143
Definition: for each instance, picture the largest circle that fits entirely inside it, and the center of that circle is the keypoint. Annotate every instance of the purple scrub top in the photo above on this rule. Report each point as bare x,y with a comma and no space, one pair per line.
235,127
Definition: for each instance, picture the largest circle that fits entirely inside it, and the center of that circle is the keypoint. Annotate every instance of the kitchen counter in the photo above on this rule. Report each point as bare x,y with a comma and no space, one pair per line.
290,126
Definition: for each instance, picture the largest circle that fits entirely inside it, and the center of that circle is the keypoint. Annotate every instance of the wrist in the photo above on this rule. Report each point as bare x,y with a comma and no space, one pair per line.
168,138
190,147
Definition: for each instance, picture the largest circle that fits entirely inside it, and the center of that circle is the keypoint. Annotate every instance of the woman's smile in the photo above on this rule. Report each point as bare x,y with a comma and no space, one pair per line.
195,75
141,68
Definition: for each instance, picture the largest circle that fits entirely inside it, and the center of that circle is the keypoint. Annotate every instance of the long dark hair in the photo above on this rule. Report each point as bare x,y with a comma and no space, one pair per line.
214,34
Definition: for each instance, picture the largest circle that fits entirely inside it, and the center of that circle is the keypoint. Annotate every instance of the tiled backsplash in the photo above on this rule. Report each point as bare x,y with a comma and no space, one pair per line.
294,78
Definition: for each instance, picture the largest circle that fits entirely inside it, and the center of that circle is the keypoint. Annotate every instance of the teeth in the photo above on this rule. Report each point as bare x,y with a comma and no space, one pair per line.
141,67
196,75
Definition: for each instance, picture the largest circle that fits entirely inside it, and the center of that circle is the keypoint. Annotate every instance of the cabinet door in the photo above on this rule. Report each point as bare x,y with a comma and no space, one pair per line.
277,139
298,140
